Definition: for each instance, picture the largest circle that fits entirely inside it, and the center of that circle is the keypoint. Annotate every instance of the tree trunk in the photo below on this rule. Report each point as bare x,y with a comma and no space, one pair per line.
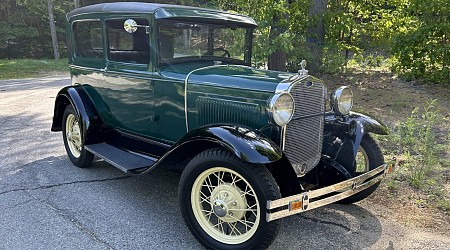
316,32
276,60
76,3
52,29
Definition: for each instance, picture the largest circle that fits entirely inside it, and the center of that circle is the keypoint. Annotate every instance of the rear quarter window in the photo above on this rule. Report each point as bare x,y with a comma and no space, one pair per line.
88,39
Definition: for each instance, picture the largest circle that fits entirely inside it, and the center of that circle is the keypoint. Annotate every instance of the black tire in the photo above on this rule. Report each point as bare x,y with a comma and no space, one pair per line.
375,159
80,157
261,187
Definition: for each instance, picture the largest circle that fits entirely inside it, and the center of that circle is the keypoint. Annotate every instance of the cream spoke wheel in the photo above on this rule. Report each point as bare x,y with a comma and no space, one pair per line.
225,205
73,135
223,201
74,140
368,157
362,161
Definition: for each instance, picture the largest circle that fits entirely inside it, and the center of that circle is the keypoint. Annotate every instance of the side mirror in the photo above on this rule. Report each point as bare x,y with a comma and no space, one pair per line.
131,26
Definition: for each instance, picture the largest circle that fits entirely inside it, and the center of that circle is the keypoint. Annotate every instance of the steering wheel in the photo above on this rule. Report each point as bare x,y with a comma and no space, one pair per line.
225,52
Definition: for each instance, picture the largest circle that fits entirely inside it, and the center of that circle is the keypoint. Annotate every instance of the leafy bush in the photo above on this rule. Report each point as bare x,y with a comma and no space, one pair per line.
416,139
423,48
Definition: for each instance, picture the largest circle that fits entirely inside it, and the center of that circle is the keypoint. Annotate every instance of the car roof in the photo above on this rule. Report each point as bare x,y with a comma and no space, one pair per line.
162,11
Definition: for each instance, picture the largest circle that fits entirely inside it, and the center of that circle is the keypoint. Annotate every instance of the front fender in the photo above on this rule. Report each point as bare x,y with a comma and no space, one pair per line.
86,113
371,125
246,144
352,129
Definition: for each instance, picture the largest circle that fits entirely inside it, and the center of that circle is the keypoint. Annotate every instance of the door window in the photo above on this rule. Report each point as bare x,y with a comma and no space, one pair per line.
128,47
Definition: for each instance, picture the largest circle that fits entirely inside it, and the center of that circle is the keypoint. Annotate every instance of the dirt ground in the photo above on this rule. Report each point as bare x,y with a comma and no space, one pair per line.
391,100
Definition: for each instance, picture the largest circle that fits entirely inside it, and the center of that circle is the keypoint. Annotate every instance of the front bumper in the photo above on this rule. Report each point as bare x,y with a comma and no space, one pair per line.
320,197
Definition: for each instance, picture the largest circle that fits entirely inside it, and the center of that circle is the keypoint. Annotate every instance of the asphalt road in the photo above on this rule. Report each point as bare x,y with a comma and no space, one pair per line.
47,203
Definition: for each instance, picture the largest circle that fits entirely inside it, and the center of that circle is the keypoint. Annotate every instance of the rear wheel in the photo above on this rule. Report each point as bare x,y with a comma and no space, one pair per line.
368,157
73,139
223,201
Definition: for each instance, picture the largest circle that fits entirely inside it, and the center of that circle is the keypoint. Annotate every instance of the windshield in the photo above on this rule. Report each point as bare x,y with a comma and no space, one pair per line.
179,39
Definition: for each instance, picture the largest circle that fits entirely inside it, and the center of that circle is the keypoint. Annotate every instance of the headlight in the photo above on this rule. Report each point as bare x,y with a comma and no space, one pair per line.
342,100
281,108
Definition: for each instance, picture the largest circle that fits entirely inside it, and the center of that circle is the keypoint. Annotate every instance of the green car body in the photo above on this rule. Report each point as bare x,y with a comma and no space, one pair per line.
149,92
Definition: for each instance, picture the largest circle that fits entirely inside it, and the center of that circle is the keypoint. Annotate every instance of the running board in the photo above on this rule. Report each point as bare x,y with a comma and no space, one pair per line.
126,161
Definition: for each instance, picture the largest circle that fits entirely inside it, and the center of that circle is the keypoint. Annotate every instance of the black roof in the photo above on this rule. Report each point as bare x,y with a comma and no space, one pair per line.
164,11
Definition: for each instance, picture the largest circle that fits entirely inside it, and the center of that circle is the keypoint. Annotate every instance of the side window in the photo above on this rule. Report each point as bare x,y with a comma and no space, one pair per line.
88,39
128,47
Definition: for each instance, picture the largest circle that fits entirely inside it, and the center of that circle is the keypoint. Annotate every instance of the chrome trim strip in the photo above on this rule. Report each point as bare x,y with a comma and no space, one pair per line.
347,188
186,84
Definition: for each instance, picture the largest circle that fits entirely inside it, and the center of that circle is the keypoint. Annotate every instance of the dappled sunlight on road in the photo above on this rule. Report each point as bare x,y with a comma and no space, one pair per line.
26,111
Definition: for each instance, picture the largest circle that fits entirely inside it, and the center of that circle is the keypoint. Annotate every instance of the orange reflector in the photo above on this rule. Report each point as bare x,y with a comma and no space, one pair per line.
295,205
390,168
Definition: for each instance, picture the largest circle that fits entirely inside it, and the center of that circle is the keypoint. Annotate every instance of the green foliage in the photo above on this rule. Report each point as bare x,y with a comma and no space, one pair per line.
417,144
25,29
361,33
423,49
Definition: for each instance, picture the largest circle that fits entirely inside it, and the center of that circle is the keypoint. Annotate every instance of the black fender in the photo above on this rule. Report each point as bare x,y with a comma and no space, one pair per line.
248,145
351,129
86,112
364,124
371,125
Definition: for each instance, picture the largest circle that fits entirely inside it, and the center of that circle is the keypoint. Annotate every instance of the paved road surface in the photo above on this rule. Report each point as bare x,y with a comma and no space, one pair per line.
47,203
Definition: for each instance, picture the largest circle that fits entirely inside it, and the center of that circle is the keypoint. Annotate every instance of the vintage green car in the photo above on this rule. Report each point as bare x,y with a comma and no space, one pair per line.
166,86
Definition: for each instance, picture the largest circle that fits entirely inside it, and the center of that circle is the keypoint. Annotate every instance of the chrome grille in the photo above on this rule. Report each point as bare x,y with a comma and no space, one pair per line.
303,137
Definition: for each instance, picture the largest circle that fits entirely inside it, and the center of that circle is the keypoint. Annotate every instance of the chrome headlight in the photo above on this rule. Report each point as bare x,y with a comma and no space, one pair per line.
342,100
281,108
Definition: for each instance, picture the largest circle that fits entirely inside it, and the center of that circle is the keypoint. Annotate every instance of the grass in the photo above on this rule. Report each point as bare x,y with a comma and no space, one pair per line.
26,68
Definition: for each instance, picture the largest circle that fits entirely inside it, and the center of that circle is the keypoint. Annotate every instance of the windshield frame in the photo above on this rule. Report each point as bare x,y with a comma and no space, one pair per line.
247,50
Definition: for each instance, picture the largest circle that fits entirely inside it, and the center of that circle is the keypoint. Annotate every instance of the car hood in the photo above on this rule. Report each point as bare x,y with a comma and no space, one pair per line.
231,76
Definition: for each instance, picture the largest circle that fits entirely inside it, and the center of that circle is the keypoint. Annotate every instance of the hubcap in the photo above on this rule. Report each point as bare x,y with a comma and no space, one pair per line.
220,208
225,205
228,202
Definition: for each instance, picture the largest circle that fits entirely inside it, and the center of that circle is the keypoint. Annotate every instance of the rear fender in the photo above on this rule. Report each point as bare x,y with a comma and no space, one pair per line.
86,113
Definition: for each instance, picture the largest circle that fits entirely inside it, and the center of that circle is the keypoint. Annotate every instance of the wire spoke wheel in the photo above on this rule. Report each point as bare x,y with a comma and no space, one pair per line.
223,201
73,135
362,161
368,157
225,205
73,139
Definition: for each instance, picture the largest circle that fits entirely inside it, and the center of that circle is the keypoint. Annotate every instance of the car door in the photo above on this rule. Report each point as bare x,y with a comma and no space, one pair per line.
128,90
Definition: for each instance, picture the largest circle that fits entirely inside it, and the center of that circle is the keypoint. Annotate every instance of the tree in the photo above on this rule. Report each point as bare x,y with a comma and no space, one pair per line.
53,29
277,59
315,36
423,49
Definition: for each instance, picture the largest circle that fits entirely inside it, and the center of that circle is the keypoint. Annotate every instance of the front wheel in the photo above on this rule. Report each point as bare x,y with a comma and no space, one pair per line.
223,201
73,139
368,157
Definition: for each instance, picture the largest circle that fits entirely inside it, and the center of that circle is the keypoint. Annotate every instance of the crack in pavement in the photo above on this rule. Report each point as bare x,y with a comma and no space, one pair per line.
60,212
72,220
64,184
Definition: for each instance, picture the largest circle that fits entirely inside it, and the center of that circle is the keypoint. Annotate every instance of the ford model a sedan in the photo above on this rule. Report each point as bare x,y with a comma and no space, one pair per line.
165,86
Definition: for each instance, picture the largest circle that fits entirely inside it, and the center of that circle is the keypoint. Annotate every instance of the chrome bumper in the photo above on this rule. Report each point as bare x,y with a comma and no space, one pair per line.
311,199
